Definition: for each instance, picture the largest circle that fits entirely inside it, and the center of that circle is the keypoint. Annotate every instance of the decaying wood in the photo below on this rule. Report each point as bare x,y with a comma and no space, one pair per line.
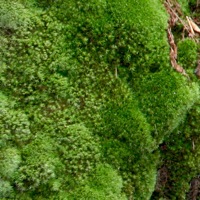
162,178
194,189
197,70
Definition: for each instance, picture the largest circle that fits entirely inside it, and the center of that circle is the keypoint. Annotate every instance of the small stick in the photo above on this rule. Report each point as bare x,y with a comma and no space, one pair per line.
193,145
194,26
190,25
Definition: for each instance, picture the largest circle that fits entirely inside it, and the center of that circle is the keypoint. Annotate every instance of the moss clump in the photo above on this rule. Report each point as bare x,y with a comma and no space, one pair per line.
187,53
166,98
94,97
181,156
104,183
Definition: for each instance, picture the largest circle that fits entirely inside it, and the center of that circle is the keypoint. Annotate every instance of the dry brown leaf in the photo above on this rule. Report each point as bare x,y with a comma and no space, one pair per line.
194,26
178,68
190,25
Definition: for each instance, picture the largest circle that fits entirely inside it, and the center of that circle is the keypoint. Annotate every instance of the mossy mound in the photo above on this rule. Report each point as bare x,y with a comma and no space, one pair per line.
87,97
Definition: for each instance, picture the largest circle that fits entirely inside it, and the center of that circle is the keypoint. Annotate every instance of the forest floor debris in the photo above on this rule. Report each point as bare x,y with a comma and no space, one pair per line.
189,26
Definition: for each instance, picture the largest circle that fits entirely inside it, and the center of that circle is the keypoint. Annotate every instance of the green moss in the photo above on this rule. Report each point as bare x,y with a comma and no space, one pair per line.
128,132
184,5
181,156
14,124
10,160
5,189
165,98
104,183
13,16
187,53
93,96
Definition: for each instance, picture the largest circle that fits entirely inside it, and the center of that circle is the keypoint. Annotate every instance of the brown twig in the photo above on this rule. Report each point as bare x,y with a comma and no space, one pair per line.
174,18
193,26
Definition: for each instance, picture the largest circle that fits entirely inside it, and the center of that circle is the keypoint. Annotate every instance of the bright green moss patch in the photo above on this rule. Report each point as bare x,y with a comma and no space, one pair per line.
187,53
104,183
165,98
87,97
